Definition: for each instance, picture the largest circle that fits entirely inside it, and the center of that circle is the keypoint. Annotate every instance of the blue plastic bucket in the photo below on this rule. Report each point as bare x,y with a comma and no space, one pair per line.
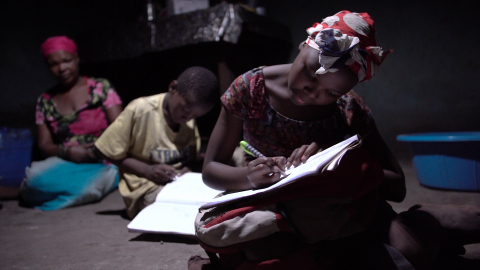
15,155
446,160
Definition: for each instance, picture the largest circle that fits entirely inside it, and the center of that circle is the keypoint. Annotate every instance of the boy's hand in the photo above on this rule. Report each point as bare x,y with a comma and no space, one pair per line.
302,153
160,174
183,171
264,171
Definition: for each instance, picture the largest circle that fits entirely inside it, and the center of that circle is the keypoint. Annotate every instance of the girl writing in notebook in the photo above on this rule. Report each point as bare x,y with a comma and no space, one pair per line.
289,112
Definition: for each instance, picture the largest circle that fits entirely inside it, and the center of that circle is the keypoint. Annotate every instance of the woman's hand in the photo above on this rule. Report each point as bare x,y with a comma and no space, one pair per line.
160,174
82,153
263,172
302,153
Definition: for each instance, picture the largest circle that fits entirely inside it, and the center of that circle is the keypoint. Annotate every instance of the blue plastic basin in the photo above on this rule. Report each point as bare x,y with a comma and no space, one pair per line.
446,160
15,155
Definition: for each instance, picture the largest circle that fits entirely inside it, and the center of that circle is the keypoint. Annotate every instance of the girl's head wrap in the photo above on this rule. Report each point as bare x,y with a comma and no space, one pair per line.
57,43
347,38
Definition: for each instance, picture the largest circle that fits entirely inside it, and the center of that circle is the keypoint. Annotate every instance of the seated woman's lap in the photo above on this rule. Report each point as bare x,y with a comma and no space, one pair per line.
55,183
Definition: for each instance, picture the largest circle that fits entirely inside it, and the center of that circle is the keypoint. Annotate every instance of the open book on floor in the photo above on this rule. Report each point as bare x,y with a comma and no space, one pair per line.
175,207
327,159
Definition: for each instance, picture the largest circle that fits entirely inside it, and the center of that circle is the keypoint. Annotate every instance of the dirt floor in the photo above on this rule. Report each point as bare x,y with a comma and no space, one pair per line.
95,236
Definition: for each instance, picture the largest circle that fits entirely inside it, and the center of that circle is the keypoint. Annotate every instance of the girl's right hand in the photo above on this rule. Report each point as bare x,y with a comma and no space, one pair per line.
160,174
263,172
302,153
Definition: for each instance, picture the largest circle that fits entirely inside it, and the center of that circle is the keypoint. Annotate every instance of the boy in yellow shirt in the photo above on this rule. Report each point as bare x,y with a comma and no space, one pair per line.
156,137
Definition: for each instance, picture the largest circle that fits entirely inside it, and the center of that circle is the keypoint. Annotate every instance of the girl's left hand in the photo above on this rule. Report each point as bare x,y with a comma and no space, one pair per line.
302,153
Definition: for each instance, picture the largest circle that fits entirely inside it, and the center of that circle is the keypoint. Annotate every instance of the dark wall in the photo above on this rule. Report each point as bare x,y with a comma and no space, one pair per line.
429,83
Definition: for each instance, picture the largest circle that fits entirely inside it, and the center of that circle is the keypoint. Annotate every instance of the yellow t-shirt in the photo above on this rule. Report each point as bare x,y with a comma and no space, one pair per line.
141,132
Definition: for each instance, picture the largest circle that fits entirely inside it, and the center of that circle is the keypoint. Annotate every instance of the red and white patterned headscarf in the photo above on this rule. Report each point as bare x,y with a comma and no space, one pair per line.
58,43
347,38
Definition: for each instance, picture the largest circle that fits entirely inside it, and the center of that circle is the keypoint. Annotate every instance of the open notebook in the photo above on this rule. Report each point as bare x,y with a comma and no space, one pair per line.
175,207
328,159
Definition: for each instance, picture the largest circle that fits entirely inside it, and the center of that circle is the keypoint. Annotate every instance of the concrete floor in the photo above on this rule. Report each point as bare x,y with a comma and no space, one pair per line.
95,236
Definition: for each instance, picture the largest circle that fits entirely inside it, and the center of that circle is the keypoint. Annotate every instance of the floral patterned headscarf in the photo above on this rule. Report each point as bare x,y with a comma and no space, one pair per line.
347,38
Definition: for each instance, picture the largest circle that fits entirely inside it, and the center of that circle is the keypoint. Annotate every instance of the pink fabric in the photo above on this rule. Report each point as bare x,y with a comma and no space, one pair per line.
88,122
112,99
58,43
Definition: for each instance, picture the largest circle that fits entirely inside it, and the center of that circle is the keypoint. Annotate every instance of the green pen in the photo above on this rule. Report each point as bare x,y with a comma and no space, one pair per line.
250,150
255,153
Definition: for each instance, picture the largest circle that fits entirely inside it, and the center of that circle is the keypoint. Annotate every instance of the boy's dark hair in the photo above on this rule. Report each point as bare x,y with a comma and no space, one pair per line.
199,84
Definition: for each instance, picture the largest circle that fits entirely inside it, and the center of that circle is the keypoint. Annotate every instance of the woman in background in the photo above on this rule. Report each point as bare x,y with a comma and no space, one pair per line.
70,117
